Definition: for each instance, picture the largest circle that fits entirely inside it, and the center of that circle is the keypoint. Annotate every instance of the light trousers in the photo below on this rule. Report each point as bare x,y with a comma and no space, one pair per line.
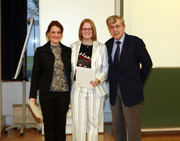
87,109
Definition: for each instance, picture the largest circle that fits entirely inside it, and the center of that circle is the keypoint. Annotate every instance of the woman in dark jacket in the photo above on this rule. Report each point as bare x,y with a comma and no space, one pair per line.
51,76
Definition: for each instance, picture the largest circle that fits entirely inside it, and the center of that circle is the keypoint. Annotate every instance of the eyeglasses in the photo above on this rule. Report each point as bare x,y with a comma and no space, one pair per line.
115,27
86,29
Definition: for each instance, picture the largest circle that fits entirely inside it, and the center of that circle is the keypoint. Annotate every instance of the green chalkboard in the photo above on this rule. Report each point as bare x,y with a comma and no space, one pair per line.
161,107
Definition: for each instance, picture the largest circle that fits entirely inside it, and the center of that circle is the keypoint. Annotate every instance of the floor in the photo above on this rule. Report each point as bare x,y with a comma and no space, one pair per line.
34,135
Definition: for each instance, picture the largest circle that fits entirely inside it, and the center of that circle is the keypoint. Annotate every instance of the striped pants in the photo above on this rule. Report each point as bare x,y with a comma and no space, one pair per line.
87,108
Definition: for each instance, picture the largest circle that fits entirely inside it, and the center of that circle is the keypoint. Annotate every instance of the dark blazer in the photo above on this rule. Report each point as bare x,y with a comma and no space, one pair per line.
130,75
43,68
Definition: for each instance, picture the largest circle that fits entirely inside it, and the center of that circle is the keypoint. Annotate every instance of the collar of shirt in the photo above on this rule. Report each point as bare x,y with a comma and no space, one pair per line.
55,46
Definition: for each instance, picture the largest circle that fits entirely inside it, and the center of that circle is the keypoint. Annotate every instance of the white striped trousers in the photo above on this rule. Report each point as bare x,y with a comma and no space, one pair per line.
87,109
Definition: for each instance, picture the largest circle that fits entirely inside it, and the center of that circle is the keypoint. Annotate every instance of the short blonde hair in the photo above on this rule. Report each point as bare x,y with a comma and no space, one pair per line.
112,19
94,34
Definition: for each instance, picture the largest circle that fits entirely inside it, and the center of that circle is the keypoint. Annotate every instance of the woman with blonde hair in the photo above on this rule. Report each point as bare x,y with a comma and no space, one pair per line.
87,102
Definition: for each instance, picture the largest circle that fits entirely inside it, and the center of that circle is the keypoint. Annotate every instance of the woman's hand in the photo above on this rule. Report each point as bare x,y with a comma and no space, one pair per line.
94,83
32,100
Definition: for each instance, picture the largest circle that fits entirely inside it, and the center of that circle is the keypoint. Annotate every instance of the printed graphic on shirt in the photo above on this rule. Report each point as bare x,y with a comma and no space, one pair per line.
84,57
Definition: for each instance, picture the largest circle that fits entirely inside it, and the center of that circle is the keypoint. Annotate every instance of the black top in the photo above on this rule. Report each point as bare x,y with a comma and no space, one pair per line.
84,57
43,67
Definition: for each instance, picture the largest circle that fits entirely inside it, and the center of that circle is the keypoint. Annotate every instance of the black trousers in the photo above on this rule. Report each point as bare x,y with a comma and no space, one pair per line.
54,106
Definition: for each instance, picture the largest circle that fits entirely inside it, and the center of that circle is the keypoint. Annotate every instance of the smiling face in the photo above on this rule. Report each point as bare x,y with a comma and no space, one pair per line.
55,35
117,29
87,31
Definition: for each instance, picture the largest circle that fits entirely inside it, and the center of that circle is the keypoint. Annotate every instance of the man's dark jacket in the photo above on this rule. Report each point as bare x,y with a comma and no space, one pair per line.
133,69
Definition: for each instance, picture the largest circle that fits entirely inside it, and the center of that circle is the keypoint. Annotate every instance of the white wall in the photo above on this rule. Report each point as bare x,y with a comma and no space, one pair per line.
71,12
12,94
157,23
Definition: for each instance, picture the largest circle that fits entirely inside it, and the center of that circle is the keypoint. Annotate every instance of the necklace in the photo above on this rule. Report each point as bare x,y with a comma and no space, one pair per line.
87,46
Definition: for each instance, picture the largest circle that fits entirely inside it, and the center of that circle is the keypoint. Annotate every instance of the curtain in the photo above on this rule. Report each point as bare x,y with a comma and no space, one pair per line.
14,29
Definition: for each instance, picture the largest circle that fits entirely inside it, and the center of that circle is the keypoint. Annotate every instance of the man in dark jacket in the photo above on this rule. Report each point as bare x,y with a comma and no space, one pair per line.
129,66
